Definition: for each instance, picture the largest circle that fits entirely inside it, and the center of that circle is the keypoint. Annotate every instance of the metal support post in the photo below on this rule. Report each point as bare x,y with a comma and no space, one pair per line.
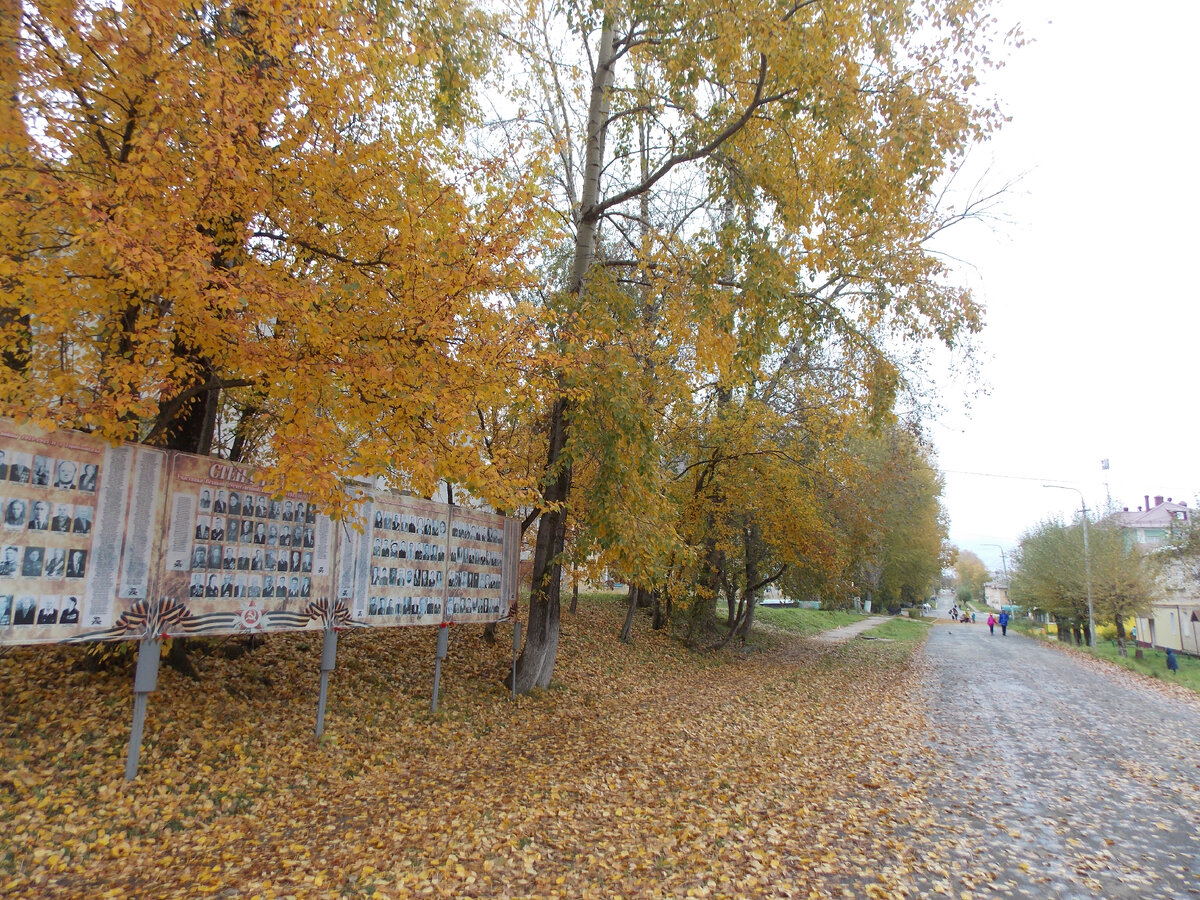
516,650
442,643
328,661
145,681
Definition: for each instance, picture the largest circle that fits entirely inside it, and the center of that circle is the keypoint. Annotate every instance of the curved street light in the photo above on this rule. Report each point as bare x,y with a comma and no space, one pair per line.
1087,561
1004,563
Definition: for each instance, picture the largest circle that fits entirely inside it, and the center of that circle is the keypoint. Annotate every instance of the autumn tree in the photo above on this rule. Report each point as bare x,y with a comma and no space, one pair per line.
972,573
1125,580
251,229
1049,574
897,549
753,169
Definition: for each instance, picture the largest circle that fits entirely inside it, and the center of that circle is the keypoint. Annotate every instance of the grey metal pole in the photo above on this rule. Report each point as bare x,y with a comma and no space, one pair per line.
442,642
1087,561
516,650
328,661
145,681
1087,569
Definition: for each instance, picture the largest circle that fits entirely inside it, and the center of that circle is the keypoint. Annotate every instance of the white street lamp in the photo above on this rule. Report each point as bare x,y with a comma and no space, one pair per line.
1087,561
1003,560
1004,563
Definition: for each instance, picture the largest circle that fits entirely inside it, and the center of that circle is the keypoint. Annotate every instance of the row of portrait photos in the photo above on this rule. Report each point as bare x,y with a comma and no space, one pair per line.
468,531
42,609
251,586
428,606
43,562
391,576
404,606
250,558
409,523
249,531
48,472
472,606
255,506
41,515
427,552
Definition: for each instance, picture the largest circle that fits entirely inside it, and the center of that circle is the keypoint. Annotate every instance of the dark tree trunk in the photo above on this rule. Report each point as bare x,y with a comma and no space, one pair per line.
630,609
574,596
178,659
656,609
189,426
536,663
242,436
14,149
752,552
1120,623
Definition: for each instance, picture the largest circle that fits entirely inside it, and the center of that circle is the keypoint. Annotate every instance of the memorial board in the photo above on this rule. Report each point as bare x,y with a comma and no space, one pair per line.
481,577
77,535
236,559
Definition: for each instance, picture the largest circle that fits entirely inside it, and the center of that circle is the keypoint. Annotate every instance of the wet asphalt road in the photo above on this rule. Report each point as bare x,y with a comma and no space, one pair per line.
1056,776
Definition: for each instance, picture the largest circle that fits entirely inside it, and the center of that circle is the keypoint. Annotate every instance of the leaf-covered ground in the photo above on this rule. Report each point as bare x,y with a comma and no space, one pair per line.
645,771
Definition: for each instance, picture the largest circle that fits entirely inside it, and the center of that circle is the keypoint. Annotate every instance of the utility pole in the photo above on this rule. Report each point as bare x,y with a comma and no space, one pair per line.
1087,561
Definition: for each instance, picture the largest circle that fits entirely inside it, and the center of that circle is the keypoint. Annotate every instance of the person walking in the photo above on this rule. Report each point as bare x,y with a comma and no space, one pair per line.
1172,662
1003,620
991,624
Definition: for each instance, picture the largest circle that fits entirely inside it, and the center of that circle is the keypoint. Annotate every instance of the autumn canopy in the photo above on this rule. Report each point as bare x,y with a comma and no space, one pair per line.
656,278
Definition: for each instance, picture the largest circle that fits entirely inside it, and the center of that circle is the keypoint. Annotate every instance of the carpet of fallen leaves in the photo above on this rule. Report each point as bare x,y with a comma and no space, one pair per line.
645,771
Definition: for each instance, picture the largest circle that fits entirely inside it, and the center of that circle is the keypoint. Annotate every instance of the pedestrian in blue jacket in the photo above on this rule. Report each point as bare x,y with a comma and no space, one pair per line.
1172,662
1004,623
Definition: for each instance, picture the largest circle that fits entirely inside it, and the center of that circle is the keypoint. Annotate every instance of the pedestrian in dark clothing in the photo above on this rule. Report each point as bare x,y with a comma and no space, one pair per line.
1172,662
1003,623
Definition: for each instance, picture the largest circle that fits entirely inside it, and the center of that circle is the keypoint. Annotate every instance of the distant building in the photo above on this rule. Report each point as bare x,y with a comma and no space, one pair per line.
1174,620
995,592
1149,527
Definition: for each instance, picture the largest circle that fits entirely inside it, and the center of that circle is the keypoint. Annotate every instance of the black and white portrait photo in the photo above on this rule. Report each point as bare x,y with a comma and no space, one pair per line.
39,516
64,474
61,520
18,468
70,612
56,562
41,471
32,562
76,563
10,559
15,511
26,610
87,478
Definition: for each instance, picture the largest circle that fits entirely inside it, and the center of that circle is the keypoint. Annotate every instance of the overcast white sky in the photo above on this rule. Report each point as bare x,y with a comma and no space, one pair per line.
1090,287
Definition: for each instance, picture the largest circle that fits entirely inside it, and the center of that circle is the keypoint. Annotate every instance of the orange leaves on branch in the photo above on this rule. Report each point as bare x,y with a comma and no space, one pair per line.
262,201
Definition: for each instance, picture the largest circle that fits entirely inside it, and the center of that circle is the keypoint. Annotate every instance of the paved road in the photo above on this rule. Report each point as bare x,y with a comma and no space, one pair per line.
1073,780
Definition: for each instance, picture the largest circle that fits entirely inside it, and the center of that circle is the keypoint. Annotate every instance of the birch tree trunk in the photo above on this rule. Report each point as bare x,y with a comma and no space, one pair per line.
536,663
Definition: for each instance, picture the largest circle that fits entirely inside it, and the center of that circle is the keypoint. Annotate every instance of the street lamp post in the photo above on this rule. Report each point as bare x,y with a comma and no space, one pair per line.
1087,561
1004,563
1003,560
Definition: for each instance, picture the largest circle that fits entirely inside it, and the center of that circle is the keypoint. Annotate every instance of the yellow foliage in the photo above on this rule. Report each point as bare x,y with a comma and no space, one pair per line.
261,199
